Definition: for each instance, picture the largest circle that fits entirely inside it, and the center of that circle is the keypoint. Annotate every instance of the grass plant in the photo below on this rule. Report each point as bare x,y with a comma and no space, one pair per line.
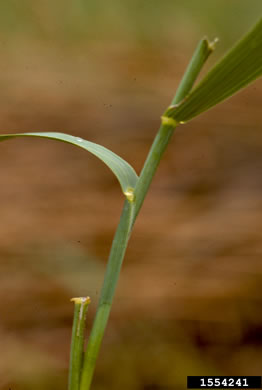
239,67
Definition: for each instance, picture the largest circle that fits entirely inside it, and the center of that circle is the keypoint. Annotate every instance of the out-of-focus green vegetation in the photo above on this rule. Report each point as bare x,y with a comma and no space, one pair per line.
150,22
189,296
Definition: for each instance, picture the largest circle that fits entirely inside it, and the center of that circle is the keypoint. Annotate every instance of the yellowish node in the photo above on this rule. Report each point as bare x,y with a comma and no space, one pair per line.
168,121
129,193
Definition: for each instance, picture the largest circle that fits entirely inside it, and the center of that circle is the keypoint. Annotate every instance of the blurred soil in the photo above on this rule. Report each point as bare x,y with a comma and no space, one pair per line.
189,297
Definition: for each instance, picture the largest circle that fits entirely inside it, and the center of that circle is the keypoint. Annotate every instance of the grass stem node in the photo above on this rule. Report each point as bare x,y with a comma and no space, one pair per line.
168,121
129,193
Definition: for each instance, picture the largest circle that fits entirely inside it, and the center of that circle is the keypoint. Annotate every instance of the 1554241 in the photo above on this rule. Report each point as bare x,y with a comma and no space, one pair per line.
224,382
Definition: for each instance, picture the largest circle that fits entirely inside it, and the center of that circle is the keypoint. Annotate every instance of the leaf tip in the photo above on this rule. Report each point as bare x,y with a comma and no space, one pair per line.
212,44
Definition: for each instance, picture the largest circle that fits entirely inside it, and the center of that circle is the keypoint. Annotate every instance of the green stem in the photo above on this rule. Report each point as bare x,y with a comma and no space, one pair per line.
129,214
110,281
153,159
201,54
77,343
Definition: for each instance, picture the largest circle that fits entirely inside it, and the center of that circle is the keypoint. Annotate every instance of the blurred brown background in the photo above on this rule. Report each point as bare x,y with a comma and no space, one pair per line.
189,298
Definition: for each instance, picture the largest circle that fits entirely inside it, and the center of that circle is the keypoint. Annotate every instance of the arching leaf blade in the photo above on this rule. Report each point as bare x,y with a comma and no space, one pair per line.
125,174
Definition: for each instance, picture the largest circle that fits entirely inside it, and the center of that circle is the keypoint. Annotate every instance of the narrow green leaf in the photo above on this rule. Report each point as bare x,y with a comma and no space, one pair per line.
125,174
241,66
